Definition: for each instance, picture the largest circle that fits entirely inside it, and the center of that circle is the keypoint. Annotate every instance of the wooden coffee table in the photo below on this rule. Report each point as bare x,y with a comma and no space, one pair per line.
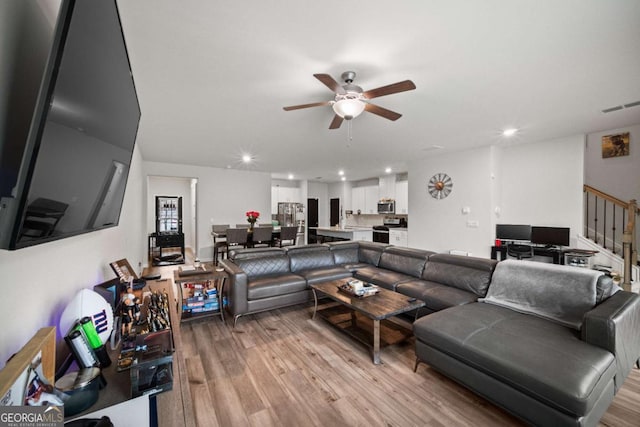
349,313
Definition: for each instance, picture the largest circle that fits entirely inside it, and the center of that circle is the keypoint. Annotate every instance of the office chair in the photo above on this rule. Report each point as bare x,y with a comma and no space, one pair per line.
519,251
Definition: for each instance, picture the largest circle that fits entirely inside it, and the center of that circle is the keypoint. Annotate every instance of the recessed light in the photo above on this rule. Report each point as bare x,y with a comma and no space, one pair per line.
509,132
387,170
340,172
343,178
290,176
246,158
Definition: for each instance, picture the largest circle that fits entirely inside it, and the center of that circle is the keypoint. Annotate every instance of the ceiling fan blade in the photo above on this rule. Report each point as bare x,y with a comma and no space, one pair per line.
336,122
298,107
329,82
382,112
390,89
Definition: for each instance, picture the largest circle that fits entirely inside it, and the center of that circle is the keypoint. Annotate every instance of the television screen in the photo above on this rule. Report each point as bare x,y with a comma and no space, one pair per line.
513,232
552,236
77,155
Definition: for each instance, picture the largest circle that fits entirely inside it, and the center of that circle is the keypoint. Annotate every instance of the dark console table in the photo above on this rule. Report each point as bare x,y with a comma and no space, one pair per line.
159,241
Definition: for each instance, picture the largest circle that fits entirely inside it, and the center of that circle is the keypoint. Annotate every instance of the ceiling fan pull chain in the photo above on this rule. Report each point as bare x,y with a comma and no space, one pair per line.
349,132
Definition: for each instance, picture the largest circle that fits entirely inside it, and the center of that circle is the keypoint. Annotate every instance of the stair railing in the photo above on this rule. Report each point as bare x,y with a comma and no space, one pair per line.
611,223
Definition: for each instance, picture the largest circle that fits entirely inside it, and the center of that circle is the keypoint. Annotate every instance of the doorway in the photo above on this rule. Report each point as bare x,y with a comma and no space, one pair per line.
334,205
312,220
185,188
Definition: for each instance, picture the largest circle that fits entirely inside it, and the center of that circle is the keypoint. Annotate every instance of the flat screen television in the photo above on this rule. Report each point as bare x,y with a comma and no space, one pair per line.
550,236
513,232
74,169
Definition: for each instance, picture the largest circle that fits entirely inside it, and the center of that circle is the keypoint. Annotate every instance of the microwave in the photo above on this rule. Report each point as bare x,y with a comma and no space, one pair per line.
387,207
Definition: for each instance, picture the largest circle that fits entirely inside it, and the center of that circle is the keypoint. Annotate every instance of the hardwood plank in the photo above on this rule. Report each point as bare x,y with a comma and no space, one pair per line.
304,372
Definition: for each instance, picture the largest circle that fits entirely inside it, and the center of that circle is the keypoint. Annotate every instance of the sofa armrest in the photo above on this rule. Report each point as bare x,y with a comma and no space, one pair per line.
236,289
615,326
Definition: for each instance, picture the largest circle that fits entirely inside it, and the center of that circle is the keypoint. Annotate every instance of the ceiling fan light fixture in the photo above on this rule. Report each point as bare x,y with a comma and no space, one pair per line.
348,108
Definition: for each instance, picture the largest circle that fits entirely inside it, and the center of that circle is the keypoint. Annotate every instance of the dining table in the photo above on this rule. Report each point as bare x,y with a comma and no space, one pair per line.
218,235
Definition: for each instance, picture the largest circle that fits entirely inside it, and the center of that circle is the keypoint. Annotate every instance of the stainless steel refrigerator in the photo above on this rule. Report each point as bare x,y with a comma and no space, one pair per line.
290,213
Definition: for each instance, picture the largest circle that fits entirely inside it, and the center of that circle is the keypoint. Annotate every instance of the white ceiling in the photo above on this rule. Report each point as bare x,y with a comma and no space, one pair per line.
212,77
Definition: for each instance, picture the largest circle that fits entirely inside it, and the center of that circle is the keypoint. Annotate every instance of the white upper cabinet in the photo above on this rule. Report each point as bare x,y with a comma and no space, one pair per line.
402,197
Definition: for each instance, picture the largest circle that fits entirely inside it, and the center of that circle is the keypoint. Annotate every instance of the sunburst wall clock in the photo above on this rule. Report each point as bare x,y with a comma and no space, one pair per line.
440,185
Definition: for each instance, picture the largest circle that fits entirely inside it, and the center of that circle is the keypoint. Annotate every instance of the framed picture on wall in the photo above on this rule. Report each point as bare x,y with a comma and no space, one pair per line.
615,145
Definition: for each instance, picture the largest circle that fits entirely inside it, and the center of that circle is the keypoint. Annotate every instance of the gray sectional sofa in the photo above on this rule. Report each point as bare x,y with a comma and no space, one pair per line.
550,344
264,279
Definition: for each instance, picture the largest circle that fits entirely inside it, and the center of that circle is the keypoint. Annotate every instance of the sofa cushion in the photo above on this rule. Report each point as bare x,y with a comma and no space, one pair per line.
379,276
310,257
556,292
404,260
466,273
245,253
535,356
344,253
272,265
269,286
435,295
370,252
324,274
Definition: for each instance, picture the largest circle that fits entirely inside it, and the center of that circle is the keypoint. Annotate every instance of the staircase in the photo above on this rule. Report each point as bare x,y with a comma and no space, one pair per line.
610,228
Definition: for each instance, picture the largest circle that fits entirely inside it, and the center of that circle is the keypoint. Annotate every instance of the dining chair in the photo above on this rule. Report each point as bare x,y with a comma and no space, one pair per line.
262,236
236,237
288,236
244,225
219,240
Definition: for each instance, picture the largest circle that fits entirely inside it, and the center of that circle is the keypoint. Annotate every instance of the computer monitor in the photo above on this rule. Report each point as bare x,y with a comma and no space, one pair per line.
550,236
513,232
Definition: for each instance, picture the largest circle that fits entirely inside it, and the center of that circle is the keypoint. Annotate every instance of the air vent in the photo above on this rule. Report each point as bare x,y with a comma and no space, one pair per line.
620,107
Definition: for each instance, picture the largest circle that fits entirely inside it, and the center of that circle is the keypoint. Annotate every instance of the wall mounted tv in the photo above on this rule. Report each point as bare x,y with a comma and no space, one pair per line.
550,236
513,232
75,165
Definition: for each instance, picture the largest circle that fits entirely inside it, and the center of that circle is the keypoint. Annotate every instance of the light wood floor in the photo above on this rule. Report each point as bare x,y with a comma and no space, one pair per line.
282,368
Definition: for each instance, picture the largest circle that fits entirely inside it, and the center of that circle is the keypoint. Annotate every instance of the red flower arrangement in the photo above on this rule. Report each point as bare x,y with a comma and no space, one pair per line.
252,217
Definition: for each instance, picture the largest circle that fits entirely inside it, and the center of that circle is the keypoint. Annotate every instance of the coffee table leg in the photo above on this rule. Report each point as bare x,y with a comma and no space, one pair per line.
376,342
315,303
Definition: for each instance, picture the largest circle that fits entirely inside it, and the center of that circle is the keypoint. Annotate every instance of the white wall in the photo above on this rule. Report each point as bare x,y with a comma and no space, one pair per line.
40,280
224,195
440,225
171,187
617,176
538,184
541,184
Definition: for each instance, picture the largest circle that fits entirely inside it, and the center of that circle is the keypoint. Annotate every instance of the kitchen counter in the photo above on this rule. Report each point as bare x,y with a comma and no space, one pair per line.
347,233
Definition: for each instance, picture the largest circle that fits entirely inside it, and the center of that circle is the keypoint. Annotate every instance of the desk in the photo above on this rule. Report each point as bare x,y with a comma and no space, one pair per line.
555,254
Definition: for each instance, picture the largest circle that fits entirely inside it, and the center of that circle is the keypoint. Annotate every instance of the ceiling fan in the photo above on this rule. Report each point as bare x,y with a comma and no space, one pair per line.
350,100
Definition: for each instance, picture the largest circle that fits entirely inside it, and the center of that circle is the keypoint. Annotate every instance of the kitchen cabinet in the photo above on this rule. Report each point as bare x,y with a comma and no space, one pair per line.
402,197
357,200
398,237
283,194
365,199
371,199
